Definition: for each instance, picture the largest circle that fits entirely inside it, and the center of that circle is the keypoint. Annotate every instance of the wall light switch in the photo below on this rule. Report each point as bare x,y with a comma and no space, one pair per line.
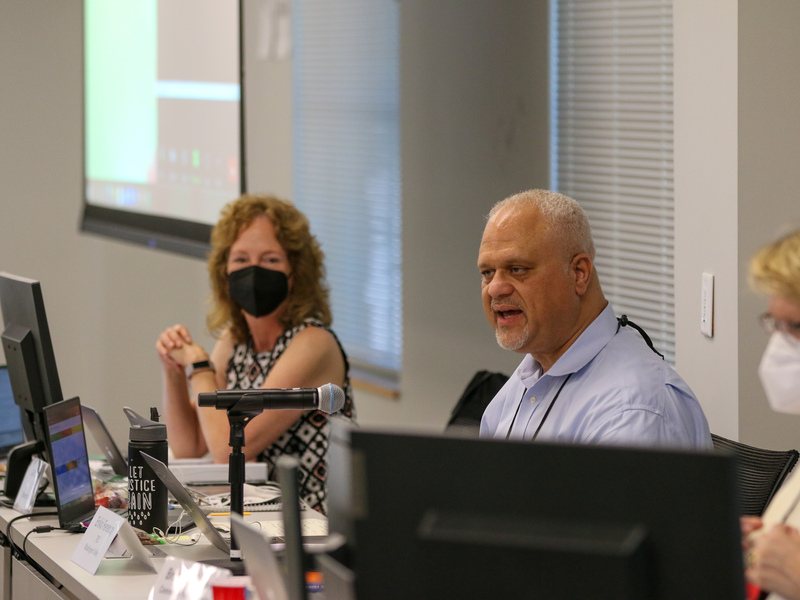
707,305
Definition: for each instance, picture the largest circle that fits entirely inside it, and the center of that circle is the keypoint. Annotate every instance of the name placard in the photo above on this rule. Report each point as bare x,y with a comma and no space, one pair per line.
97,538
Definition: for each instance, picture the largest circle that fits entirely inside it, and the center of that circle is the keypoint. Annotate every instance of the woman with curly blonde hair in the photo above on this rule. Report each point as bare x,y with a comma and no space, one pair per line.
269,310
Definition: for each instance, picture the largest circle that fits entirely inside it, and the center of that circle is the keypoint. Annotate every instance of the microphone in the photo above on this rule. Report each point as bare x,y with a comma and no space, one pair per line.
329,399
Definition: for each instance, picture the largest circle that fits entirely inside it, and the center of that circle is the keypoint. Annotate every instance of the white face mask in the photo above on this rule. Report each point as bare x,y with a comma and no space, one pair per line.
780,373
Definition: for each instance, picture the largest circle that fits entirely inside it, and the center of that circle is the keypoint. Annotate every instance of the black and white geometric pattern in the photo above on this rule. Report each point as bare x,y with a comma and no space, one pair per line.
307,439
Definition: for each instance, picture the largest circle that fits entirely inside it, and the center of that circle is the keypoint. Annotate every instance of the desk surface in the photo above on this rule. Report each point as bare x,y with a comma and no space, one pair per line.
117,578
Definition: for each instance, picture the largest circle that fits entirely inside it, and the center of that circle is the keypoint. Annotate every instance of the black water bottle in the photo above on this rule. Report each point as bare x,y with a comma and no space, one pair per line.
147,495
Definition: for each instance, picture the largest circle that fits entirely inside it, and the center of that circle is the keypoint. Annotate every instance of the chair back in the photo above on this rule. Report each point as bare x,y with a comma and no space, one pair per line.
465,419
760,472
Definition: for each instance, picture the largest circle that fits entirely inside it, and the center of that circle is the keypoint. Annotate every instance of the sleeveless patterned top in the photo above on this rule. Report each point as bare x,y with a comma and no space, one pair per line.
307,439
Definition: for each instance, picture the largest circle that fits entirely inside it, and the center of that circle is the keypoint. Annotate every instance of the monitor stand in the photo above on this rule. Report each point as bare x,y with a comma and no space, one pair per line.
18,460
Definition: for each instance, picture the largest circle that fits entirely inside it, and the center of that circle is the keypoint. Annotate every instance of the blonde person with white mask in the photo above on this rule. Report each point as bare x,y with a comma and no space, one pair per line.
774,563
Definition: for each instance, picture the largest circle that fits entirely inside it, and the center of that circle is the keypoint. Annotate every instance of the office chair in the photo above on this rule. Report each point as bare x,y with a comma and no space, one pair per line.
465,419
761,472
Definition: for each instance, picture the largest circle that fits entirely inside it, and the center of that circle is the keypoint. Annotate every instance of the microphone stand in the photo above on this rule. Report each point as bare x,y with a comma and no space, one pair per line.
240,413
238,418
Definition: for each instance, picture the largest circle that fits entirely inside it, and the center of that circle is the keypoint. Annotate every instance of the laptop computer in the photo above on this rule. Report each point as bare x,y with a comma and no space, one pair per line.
11,432
69,463
184,498
201,520
102,437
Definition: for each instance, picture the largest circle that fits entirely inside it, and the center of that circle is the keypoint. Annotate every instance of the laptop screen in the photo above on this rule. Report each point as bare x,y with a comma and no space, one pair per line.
11,432
69,462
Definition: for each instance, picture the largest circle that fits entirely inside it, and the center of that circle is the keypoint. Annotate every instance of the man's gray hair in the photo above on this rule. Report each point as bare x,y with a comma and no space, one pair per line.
563,214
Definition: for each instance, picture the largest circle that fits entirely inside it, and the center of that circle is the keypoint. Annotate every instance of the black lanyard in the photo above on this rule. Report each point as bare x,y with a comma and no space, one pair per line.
558,393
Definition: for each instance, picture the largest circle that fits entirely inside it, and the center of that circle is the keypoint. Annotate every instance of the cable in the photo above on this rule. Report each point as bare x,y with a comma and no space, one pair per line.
17,518
25,539
623,321
177,531
74,528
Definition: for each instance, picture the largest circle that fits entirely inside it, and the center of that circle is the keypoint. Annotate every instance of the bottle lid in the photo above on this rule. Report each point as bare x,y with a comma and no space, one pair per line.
144,430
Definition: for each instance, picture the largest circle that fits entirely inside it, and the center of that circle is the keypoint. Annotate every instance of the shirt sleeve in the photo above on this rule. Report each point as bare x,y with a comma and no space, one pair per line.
679,423
638,427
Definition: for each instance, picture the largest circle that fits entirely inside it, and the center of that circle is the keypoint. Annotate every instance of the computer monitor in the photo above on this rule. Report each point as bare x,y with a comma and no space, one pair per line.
11,432
435,517
28,351
31,367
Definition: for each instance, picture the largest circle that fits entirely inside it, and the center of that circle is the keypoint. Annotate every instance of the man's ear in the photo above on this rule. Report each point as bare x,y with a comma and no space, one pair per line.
582,268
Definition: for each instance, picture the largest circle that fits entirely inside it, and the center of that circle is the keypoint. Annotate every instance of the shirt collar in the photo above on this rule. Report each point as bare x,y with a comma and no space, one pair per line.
584,349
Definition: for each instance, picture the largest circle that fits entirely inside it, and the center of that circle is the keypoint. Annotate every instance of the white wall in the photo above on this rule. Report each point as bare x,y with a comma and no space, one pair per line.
706,213
474,110
268,102
737,139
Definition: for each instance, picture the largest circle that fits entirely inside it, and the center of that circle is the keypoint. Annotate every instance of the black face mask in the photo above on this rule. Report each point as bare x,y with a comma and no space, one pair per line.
258,291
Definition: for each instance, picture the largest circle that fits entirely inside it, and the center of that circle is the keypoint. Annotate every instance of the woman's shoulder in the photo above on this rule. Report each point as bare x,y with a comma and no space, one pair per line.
310,327
313,349
315,338
312,331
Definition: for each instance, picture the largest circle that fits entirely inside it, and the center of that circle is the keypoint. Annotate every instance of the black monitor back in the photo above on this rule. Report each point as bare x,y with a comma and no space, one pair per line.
441,517
28,347
31,367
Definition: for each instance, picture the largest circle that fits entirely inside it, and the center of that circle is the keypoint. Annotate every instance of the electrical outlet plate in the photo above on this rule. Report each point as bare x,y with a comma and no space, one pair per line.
707,305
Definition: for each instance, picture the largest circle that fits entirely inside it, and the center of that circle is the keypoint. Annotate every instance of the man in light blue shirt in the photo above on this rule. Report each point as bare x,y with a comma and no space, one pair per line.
585,378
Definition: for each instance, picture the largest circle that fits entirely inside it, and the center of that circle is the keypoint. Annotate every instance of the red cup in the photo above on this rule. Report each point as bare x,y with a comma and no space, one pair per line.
231,588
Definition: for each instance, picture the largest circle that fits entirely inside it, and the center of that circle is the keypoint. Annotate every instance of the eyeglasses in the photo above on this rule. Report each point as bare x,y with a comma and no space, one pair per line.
770,324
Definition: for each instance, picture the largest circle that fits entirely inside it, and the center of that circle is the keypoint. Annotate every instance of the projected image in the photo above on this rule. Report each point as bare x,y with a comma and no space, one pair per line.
162,106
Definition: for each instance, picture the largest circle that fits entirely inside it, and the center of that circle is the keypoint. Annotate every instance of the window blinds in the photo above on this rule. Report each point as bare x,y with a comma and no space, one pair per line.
347,165
612,130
